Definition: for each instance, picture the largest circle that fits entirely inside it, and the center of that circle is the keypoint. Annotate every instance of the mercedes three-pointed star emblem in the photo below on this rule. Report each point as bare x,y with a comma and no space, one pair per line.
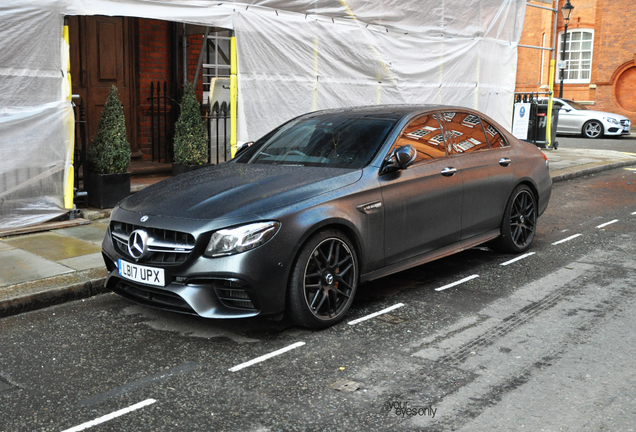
138,244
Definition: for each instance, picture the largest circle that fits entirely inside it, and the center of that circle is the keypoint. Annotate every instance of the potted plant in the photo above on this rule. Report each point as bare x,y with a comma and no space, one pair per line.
107,180
190,135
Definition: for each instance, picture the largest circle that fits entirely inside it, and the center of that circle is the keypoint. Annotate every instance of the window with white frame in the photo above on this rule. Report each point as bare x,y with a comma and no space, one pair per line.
578,56
217,56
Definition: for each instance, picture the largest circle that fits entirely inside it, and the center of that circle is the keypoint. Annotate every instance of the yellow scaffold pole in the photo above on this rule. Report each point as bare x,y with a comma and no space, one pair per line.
548,126
69,191
233,94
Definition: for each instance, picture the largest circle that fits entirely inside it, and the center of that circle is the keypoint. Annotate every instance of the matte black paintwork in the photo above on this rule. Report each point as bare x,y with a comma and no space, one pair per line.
421,215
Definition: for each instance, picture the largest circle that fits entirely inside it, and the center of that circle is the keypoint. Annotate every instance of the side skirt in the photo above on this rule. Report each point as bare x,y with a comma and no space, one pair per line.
431,256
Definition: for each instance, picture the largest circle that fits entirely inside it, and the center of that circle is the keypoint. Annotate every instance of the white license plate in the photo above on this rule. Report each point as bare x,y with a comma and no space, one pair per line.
143,274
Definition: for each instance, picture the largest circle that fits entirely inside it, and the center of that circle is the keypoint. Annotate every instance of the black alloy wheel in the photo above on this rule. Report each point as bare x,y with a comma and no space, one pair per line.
323,281
593,129
519,222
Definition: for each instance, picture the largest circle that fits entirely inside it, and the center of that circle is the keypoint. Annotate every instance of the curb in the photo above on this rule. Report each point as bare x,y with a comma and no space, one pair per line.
568,174
39,294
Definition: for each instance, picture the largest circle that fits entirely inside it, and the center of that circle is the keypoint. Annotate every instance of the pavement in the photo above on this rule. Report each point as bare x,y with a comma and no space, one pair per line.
61,261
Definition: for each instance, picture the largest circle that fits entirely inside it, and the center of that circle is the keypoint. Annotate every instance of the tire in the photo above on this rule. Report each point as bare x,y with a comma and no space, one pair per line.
519,222
323,281
593,129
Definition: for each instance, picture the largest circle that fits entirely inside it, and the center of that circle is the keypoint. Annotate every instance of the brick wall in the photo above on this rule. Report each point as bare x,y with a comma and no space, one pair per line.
612,85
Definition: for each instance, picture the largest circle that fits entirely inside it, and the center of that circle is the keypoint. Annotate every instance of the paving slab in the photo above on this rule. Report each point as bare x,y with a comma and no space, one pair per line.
83,262
53,246
93,233
17,265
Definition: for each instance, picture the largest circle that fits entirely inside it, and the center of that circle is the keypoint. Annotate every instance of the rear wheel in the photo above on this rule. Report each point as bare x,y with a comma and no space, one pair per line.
323,281
519,222
593,129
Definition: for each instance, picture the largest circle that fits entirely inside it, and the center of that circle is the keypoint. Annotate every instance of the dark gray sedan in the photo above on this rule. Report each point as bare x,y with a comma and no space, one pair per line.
298,220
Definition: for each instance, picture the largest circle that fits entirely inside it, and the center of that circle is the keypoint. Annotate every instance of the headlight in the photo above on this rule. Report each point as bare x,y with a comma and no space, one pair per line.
611,120
240,239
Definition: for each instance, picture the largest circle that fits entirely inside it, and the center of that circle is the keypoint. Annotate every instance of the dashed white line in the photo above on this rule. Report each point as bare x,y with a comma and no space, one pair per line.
607,223
566,239
634,213
266,356
457,283
518,258
375,314
111,416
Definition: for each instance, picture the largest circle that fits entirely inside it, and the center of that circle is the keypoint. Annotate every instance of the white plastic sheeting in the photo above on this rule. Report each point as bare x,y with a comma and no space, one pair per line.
289,64
294,56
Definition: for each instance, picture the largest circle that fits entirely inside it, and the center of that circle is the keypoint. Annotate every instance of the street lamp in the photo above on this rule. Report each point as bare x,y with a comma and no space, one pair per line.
566,10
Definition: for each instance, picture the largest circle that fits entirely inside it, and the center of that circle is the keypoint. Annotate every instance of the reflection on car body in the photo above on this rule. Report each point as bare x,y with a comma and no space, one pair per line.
329,200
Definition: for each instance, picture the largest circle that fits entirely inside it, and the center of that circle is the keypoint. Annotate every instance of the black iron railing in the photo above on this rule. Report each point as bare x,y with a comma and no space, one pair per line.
217,118
163,112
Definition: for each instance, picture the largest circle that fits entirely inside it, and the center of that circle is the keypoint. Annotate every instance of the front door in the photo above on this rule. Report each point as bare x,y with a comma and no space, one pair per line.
102,56
422,204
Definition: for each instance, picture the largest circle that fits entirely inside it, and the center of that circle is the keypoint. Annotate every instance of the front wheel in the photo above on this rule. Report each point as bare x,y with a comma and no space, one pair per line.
593,129
323,280
519,222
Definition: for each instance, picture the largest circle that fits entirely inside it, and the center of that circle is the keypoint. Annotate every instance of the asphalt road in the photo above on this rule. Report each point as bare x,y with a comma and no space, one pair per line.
542,343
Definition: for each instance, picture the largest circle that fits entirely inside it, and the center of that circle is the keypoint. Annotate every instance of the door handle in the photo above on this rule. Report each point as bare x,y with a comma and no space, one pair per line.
504,162
449,171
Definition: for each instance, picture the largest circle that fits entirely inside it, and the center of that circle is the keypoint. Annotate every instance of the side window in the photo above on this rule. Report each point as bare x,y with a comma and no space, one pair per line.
425,135
495,138
464,133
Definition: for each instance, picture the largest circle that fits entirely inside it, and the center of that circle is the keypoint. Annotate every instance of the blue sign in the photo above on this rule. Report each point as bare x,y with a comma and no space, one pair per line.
522,111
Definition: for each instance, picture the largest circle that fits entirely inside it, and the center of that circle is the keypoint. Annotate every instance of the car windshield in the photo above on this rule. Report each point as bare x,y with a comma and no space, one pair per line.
575,105
333,140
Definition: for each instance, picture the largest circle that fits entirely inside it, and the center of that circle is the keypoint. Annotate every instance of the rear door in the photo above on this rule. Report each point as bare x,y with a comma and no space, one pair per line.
487,165
422,204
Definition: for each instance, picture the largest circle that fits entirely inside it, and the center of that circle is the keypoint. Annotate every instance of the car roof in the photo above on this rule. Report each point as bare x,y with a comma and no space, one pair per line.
384,111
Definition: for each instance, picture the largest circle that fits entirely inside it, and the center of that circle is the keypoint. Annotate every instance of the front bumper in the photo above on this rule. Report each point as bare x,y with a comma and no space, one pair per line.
612,129
238,286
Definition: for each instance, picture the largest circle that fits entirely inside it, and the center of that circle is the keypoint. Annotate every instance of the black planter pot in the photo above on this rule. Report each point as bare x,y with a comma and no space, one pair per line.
106,190
182,168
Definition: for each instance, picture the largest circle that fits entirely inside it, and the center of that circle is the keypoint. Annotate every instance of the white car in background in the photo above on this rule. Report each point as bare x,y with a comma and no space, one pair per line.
576,119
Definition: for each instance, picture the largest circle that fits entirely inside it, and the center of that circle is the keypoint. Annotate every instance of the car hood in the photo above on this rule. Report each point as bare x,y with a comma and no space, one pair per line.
232,189
594,114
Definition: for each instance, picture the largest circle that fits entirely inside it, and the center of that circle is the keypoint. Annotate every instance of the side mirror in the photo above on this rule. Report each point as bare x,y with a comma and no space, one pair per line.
401,158
242,147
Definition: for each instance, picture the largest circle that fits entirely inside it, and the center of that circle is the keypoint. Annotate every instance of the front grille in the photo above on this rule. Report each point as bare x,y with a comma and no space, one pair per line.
166,247
625,123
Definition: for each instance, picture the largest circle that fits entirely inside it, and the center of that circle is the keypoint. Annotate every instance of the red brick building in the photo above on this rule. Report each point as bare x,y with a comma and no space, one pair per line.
601,50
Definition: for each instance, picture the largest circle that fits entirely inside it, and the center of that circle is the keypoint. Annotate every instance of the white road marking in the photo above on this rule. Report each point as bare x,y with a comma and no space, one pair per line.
567,239
111,416
375,314
266,356
634,213
607,223
518,258
457,283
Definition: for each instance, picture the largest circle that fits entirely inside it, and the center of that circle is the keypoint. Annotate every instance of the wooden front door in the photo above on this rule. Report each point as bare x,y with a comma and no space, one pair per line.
102,55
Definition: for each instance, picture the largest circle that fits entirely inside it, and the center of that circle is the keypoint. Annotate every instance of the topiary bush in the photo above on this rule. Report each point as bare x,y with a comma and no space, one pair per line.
110,150
190,135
